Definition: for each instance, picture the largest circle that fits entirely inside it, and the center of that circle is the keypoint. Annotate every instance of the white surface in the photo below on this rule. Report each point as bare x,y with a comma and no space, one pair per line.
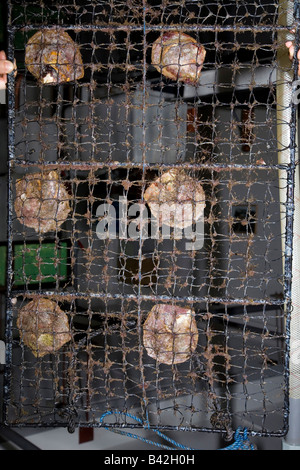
60,439
286,446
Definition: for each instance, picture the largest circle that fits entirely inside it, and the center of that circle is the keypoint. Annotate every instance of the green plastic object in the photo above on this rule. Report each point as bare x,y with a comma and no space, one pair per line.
40,263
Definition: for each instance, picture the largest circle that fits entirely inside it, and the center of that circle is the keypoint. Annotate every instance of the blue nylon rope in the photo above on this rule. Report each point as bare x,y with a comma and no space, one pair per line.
241,441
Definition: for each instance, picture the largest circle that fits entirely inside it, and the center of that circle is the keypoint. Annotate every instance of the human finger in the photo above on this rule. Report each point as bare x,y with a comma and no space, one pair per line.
291,49
6,66
3,77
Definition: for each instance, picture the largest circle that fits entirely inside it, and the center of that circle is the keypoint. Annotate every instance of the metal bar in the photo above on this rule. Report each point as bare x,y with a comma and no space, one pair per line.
9,276
133,27
107,295
155,166
12,436
182,429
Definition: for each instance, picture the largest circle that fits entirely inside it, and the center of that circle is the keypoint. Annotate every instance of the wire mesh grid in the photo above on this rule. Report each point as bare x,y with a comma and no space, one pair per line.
89,259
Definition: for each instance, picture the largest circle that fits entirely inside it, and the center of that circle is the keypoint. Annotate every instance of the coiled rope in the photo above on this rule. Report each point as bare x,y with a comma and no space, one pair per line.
241,440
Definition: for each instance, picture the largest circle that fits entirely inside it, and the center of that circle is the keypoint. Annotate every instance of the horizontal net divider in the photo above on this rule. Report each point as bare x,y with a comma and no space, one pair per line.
148,28
144,165
141,297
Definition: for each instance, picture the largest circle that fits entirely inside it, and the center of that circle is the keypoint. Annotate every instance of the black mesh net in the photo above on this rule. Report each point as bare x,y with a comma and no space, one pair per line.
146,225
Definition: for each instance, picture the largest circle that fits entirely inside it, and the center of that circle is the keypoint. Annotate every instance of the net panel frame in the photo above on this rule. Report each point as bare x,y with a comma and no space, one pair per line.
73,388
